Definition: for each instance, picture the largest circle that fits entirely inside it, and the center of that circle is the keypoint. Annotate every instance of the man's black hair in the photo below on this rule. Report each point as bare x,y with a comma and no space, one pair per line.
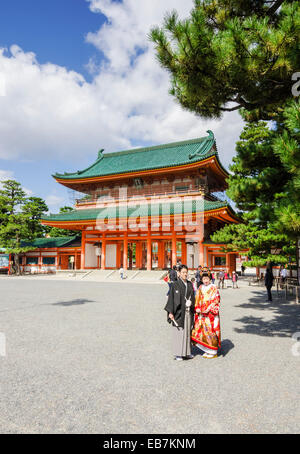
181,267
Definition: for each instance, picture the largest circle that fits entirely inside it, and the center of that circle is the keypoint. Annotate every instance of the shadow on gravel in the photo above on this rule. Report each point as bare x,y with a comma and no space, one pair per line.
226,346
285,317
73,302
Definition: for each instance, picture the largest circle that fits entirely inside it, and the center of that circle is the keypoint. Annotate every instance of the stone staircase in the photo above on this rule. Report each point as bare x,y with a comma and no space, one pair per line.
131,276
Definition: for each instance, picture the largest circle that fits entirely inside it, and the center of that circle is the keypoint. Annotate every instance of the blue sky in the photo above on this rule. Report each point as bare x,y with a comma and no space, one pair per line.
80,75
54,30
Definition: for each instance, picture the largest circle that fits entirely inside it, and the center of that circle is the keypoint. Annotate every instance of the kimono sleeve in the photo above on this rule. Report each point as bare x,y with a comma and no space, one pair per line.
169,307
193,300
197,299
215,303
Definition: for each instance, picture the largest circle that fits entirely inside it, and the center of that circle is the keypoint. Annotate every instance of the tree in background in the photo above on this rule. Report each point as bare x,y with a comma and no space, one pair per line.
19,219
240,55
55,232
231,54
265,185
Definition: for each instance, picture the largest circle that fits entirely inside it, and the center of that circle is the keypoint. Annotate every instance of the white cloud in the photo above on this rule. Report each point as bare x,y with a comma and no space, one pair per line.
54,200
9,175
51,112
6,175
28,192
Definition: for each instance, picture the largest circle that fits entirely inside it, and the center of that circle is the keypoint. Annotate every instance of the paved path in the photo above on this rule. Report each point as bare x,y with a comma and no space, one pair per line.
86,357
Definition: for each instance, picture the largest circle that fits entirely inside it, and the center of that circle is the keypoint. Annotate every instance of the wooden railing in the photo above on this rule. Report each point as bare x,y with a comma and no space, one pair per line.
284,289
91,200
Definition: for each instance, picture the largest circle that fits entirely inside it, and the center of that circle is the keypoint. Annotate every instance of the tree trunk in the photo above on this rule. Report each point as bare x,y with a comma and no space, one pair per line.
298,260
17,262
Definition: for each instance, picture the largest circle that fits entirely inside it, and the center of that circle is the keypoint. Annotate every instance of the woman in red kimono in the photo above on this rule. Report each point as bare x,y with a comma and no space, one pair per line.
206,333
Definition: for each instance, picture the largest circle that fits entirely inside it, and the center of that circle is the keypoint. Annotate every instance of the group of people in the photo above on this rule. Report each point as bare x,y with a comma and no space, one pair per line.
221,277
194,316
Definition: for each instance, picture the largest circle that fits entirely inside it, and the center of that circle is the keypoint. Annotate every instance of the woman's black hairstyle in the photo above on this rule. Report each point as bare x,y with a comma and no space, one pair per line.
206,275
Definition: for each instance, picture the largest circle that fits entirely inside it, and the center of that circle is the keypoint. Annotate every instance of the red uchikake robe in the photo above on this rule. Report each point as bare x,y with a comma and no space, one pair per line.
206,330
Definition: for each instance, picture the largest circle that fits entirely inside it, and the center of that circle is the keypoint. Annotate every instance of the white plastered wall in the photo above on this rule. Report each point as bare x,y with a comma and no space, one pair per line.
90,256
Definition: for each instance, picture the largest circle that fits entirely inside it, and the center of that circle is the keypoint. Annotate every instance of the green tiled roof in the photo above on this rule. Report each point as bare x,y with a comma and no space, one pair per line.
194,206
160,156
51,242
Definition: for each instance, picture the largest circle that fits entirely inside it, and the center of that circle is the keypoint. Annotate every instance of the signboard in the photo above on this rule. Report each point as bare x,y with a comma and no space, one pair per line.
4,261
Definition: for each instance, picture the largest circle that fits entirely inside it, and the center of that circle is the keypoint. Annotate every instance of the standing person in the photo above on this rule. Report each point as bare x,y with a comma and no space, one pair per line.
226,277
180,309
173,274
234,280
269,280
198,276
193,281
283,275
121,271
206,333
221,279
243,270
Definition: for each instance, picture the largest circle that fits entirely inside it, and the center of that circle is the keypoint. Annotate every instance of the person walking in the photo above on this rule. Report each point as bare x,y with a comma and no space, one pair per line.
283,275
234,280
193,281
198,276
269,278
172,277
206,334
121,271
180,308
221,279
173,274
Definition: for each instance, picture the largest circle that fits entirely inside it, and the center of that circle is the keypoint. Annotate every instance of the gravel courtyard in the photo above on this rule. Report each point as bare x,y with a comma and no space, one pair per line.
88,357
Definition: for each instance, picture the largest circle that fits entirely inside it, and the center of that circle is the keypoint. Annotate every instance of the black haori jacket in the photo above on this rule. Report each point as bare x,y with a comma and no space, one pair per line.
176,301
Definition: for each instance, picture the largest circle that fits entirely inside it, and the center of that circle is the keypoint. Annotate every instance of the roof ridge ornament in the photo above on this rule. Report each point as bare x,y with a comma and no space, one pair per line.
210,134
100,153
211,137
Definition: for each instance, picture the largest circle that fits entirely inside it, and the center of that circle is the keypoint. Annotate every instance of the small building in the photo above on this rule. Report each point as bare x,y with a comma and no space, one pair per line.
51,254
150,208
4,261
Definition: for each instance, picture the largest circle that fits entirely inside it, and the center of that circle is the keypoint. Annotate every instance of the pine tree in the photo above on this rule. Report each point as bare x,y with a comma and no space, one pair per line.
241,55
265,186
56,232
231,54
19,219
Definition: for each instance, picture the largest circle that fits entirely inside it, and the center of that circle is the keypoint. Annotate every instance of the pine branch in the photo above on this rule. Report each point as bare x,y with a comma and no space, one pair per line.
274,7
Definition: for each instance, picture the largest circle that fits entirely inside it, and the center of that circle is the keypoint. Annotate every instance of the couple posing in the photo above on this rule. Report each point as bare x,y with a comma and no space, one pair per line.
194,319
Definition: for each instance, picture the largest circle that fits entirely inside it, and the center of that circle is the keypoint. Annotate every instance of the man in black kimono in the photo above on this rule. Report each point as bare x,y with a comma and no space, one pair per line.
180,308
269,278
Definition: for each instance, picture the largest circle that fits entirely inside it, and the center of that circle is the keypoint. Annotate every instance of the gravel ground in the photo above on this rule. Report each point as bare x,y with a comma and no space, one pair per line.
88,357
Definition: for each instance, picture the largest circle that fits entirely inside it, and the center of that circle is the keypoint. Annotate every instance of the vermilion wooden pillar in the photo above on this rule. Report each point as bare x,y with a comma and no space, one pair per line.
125,253
183,252
160,254
227,263
149,254
118,258
138,255
103,252
82,261
174,256
201,252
